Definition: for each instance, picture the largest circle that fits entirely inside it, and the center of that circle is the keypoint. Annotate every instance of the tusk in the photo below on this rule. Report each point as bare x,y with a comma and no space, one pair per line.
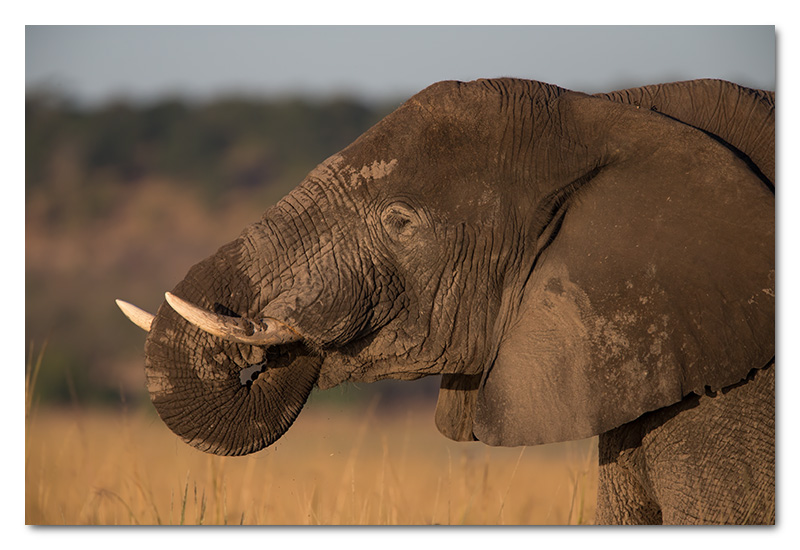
140,317
265,332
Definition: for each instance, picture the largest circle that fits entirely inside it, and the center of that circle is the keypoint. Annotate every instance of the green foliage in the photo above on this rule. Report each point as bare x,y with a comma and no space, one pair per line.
228,144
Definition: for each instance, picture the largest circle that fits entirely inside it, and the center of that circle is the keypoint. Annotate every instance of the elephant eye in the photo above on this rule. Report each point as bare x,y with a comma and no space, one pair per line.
400,220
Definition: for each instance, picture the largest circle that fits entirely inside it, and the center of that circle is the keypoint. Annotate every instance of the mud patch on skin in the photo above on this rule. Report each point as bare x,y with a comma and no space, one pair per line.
554,286
158,383
769,291
378,169
211,372
610,337
622,343
351,176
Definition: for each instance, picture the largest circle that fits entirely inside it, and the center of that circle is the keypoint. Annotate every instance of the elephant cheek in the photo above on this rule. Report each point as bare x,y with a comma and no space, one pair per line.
207,399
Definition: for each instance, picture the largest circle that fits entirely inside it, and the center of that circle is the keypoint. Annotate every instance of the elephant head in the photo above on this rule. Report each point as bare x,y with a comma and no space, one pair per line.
566,262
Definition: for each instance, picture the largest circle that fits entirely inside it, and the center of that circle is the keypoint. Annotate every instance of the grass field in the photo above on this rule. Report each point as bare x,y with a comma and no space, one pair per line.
336,465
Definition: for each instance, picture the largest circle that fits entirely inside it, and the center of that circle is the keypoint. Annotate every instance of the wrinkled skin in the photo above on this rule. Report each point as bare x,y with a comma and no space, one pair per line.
572,265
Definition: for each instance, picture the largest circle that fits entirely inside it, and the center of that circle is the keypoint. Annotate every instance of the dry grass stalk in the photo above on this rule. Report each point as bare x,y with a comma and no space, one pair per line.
332,467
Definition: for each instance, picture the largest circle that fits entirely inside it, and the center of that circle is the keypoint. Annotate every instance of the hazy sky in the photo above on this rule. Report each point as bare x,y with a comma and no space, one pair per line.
96,63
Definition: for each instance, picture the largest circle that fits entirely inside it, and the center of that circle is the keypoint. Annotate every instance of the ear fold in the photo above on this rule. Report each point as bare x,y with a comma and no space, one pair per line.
741,117
660,282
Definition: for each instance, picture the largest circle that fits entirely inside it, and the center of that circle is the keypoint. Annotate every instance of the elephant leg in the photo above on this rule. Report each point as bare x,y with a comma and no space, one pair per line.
711,459
707,460
622,494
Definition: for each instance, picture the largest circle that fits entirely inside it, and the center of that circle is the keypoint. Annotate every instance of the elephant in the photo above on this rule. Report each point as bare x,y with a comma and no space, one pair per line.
571,265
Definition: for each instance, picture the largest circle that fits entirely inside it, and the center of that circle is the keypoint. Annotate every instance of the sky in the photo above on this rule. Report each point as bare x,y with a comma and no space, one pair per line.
96,64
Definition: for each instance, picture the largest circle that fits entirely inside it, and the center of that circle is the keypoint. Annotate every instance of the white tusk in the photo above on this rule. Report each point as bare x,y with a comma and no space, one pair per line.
265,332
140,317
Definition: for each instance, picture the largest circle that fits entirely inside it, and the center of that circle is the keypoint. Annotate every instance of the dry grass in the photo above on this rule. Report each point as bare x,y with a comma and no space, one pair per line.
334,466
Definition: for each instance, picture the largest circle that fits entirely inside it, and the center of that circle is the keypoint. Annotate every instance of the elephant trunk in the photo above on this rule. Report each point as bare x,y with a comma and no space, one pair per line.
227,396
233,354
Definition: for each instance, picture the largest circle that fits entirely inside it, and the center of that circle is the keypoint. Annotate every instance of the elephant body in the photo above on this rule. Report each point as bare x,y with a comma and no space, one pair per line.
571,265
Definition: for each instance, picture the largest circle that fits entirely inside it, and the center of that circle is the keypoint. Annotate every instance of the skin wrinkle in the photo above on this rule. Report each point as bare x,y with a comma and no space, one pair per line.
393,291
270,270
521,147
303,209
462,247
298,223
305,223
438,304
505,136
286,249
229,419
450,287
513,118
463,324
736,108
430,287
475,323
527,160
337,259
476,333
718,106
461,243
444,293
200,410
277,273
258,409
344,270
263,406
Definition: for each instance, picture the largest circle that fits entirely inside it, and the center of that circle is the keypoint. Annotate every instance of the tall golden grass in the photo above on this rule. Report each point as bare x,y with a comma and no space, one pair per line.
336,465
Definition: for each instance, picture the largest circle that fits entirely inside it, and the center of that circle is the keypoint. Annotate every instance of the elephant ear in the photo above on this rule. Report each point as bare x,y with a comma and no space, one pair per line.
739,117
455,407
658,282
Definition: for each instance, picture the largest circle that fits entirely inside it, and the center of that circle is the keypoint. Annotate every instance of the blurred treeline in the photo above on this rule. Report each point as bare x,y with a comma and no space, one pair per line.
122,199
